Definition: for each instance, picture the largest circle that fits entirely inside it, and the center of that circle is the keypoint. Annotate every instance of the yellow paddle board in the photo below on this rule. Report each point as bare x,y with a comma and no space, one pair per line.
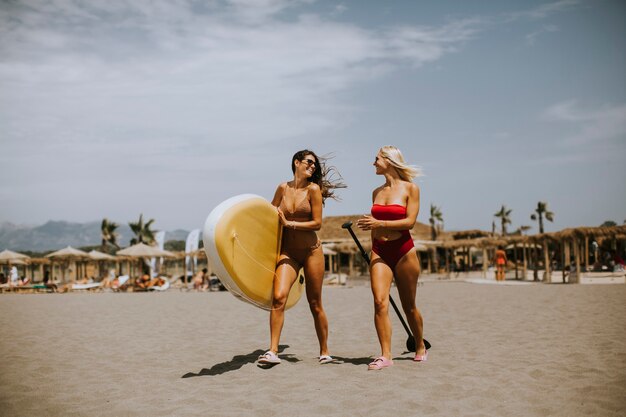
242,237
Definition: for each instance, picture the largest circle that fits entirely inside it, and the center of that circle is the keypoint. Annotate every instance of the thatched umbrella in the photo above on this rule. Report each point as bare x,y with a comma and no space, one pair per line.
577,239
99,258
141,251
10,257
68,254
13,258
469,234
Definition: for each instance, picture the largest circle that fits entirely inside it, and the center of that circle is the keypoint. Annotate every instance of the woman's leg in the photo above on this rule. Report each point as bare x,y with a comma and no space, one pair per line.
314,273
407,273
286,274
381,276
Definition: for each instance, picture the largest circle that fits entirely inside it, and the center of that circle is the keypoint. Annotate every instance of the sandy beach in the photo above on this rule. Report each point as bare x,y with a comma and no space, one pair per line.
532,350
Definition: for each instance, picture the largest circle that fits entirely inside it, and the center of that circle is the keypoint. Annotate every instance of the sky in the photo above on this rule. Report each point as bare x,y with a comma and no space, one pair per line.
168,107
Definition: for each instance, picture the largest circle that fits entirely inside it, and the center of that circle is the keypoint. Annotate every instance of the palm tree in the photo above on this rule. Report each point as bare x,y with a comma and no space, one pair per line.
540,212
143,232
108,233
520,230
505,218
435,216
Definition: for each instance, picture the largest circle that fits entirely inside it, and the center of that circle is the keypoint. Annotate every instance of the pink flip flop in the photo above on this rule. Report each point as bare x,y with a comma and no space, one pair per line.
421,358
269,358
380,363
325,359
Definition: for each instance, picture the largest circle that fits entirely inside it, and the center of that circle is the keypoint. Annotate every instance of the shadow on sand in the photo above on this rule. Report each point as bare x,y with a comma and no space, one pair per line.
240,360
339,360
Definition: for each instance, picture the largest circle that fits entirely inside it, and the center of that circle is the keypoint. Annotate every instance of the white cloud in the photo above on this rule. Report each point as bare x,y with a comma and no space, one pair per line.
131,95
592,125
532,37
339,9
148,66
121,91
545,10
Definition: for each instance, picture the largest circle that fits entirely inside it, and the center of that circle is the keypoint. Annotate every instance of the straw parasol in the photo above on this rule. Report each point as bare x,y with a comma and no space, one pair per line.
469,234
100,256
141,250
66,255
10,257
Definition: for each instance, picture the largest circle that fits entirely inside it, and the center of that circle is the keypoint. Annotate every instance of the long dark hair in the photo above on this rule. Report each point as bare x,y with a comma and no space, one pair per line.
324,175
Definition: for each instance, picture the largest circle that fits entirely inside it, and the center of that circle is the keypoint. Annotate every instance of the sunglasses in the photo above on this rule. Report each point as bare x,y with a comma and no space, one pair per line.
309,162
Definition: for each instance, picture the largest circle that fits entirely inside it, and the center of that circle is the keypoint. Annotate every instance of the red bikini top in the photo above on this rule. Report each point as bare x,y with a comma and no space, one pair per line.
388,212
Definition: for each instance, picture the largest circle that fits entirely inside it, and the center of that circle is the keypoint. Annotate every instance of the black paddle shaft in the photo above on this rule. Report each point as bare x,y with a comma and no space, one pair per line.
410,343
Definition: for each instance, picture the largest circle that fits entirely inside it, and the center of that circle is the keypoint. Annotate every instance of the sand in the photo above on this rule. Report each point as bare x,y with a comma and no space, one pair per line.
533,350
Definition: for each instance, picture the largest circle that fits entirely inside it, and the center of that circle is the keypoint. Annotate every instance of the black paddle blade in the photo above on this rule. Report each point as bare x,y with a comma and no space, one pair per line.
411,345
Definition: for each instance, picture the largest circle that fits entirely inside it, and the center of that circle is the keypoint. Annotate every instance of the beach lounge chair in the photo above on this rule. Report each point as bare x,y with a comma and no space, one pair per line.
88,286
41,287
122,283
25,288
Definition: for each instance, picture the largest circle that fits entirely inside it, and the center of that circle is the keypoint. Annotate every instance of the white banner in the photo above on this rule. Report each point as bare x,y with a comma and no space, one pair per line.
159,238
191,245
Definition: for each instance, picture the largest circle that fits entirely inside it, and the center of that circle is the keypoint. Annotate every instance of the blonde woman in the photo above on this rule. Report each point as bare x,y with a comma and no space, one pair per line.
394,213
299,203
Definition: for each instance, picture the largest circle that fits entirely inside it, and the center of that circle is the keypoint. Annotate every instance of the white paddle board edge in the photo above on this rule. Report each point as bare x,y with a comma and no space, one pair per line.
210,247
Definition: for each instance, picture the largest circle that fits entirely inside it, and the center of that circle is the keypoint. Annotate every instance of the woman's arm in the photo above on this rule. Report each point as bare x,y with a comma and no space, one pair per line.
278,195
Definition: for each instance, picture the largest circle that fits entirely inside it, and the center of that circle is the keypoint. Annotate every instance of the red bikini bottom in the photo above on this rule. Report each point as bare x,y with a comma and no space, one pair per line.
391,251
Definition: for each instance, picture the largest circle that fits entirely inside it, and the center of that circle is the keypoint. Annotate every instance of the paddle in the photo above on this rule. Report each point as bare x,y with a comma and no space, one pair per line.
410,342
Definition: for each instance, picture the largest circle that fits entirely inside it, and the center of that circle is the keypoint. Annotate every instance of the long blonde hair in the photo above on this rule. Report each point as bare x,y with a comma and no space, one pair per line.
394,156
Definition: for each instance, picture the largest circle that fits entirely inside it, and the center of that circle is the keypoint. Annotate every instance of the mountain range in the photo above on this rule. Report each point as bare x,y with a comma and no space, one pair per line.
55,235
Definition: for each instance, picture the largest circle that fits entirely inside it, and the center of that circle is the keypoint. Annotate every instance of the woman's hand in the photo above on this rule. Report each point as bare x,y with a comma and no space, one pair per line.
367,222
281,216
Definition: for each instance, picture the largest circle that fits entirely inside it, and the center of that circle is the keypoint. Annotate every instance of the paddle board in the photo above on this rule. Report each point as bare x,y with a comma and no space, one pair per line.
242,237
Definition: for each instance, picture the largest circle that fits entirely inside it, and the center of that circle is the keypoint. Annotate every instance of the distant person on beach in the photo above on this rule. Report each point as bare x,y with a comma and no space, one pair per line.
85,280
394,213
618,263
142,283
157,282
13,276
47,282
299,203
215,284
454,267
115,283
205,279
198,280
500,260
